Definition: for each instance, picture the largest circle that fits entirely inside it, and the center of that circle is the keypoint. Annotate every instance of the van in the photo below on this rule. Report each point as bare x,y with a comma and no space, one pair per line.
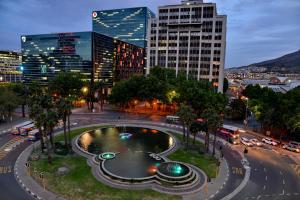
25,129
172,119
17,129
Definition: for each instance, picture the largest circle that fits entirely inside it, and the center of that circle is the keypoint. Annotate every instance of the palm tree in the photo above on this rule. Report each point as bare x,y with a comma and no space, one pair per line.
187,116
62,110
67,87
213,122
45,118
34,113
195,128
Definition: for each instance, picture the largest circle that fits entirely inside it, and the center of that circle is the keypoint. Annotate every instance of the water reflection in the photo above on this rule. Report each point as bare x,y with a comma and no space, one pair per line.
134,139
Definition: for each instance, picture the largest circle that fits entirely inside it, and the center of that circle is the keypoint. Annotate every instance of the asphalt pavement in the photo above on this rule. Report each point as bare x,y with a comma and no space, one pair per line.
9,187
272,175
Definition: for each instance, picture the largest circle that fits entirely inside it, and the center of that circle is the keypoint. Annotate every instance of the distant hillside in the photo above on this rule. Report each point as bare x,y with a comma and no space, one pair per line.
287,63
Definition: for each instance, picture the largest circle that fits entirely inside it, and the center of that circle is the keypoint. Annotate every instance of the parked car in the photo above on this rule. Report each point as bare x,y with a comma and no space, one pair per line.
295,143
256,142
291,147
246,142
270,141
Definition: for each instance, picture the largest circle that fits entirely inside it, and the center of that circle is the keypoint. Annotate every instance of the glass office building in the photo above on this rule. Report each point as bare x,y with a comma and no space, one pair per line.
128,24
96,56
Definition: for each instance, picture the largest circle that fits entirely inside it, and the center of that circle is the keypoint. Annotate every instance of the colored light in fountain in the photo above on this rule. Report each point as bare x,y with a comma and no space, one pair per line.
154,131
144,130
108,155
152,169
125,136
177,169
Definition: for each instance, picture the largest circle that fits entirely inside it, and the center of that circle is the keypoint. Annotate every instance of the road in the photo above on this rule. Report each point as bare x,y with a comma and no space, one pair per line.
9,188
272,174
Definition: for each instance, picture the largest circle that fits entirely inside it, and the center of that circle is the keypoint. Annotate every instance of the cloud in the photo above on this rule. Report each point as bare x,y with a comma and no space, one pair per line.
256,29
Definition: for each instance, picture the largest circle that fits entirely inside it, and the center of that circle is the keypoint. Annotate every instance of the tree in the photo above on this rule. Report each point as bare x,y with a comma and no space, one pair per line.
195,128
23,92
213,120
9,101
66,87
237,109
187,116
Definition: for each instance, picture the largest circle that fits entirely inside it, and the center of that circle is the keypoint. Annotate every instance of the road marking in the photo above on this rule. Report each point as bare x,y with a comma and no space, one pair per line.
264,187
258,197
10,145
265,169
237,170
283,182
266,178
5,169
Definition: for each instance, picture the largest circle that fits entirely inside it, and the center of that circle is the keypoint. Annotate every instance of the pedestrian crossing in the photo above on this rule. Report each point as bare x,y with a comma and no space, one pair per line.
10,145
6,169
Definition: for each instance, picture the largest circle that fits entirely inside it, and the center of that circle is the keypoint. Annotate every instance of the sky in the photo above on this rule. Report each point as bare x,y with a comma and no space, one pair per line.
257,30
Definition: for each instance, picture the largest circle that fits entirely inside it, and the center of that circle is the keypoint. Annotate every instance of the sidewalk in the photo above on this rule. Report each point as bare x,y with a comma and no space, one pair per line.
212,188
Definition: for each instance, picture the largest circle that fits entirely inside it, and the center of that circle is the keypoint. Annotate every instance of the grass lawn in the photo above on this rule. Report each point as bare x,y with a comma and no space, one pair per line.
80,184
205,162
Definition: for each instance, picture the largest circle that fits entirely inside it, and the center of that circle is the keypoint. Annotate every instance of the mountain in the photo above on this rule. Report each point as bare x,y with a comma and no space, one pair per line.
287,63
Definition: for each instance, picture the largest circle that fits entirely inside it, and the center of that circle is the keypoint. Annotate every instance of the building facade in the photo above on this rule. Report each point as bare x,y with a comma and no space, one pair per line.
97,57
190,38
128,24
10,67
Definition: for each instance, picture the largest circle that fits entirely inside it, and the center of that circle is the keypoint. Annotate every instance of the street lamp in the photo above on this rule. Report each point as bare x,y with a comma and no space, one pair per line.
85,90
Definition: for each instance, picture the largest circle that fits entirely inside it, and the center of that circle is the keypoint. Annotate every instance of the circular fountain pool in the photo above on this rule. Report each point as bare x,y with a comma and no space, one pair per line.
136,155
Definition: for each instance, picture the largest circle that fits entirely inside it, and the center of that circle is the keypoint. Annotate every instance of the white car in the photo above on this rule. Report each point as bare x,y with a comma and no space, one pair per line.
270,141
291,147
256,142
246,142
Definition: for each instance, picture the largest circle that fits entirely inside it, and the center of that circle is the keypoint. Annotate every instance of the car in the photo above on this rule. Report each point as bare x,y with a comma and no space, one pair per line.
270,141
291,147
256,142
246,142
297,144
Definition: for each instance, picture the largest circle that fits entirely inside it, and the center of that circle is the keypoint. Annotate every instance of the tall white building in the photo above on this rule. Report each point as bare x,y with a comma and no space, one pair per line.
190,38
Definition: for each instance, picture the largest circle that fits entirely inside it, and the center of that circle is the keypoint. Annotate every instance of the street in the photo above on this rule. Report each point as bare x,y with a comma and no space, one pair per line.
272,176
